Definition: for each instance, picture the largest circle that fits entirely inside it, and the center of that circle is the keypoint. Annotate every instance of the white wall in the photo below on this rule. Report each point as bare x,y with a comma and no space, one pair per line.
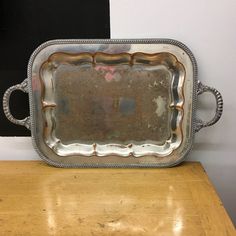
209,29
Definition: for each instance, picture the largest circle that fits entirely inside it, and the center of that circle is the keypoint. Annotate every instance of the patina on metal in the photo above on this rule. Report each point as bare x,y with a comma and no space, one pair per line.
108,99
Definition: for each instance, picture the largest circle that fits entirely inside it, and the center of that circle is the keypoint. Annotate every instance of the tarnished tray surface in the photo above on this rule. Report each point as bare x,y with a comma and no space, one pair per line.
113,102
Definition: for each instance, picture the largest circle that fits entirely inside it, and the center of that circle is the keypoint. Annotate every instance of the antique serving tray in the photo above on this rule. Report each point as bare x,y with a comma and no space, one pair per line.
112,103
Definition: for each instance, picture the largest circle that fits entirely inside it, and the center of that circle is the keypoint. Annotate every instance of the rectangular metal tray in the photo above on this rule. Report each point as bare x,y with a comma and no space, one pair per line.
112,103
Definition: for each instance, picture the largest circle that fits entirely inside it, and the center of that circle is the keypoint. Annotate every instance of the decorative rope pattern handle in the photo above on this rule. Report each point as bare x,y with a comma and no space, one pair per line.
6,108
219,106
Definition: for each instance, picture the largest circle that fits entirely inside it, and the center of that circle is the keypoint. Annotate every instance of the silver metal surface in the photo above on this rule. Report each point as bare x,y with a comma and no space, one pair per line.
61,71
219,106
122,104
6,108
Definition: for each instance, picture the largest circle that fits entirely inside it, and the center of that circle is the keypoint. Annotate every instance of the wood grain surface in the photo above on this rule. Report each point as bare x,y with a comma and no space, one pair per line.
36,199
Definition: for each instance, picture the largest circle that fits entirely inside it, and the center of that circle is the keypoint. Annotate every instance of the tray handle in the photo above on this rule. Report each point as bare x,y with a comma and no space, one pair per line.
6,108
201,88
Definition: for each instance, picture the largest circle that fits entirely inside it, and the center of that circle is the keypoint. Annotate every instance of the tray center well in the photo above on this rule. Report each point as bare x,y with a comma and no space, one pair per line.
112,103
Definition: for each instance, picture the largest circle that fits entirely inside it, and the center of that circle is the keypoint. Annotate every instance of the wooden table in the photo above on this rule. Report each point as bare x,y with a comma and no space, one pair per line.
36,199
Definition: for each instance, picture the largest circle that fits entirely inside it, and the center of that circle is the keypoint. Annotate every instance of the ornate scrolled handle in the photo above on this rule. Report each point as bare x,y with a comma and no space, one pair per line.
6,108
219,106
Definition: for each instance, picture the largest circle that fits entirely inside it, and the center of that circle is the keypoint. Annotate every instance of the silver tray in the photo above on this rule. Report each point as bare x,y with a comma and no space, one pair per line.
112,103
